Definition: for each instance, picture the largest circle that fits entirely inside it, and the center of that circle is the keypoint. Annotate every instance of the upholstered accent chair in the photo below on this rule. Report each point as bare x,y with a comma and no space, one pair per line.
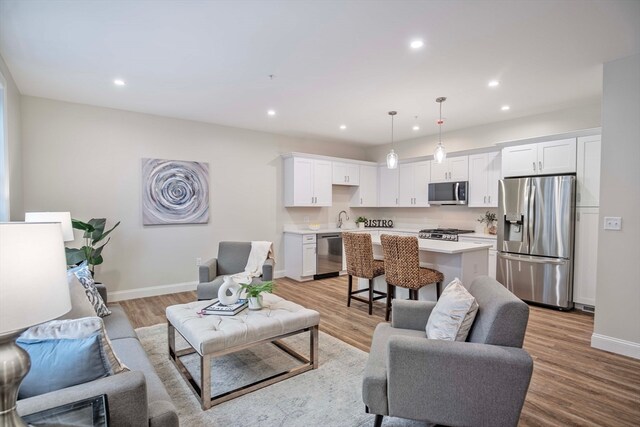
232,258
480,382
358,250
402,268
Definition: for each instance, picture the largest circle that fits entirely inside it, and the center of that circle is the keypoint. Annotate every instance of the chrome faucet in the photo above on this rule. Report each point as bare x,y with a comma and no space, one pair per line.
340,218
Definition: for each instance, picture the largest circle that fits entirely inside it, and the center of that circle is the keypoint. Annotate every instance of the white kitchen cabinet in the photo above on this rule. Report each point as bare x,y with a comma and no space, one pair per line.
307,182
300,256
588,171
413,181
484,174
366,195
493,252
586,256
346,174
388,185
543,158
451,169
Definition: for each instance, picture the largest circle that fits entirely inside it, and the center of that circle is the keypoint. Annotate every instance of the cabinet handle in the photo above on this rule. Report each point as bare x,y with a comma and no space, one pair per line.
445,175
485,199
360,200
534,166
578,216
540,164
396,200
578,196
489,199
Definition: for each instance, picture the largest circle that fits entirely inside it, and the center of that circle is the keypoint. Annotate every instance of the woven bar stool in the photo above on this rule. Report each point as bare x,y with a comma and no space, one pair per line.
360,263
402,268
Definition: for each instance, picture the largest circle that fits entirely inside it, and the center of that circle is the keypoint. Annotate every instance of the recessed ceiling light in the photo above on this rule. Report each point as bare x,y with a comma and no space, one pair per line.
271,112
494,83
416,44
119,82
416,127
343,127
505,108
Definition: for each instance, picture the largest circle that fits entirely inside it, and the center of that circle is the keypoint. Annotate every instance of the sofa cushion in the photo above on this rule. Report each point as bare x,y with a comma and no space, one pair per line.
117,324
453,314
86,279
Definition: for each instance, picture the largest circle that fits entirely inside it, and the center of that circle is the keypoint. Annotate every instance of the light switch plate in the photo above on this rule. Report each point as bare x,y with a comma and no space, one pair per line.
612,223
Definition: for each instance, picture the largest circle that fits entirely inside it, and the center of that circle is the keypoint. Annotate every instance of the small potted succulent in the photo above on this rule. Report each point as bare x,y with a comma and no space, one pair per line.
489,218
254,293
361,221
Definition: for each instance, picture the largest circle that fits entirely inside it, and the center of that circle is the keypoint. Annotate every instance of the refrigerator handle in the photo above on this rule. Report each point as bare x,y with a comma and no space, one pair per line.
531,214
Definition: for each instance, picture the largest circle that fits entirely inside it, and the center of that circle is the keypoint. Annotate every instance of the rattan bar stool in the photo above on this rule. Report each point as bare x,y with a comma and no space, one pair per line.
360,263
402,268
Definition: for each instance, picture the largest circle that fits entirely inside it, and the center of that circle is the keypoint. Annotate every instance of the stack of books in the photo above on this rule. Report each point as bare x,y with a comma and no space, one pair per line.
220,309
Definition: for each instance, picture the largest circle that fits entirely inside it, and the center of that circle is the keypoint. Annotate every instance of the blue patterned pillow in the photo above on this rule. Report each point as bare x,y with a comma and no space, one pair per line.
83,274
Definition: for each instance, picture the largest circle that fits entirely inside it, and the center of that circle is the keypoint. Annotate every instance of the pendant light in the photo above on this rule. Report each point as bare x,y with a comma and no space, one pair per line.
440,153
392,157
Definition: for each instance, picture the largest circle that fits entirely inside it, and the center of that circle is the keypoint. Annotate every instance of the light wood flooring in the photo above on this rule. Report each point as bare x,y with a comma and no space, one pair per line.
572,384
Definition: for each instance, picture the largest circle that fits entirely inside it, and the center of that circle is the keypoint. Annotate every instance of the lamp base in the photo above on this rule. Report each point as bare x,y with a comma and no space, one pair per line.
14,366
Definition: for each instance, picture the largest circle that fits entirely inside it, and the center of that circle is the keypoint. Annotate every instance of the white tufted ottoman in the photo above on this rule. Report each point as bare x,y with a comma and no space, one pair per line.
212,336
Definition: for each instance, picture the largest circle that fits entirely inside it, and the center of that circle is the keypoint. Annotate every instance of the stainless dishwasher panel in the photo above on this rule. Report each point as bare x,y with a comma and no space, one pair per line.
328,255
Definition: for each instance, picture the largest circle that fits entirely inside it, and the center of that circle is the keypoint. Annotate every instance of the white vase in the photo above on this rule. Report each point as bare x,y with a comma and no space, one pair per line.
361,225
229,285
255,303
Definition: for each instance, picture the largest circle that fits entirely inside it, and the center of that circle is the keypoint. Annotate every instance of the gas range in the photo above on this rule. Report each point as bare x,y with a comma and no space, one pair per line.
449,234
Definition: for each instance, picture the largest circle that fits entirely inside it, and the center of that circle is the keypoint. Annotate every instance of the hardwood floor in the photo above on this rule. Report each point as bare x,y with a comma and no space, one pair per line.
572,384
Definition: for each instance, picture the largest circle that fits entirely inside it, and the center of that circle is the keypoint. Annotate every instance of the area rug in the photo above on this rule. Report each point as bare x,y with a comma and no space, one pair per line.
329,396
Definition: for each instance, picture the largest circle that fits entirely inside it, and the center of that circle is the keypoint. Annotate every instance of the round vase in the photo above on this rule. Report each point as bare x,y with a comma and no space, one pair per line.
255,303
229,285
361,225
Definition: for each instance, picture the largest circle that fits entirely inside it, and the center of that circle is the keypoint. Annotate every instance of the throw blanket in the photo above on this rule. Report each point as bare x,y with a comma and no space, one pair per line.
260,251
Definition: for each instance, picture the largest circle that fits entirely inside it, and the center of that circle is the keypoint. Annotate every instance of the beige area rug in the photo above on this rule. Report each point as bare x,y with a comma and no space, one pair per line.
329,396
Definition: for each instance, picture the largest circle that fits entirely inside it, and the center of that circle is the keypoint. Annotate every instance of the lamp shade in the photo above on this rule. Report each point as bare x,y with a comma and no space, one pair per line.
33,275
64,218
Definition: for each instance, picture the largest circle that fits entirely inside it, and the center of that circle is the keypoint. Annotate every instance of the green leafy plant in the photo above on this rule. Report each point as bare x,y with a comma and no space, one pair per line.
254,291
94,234
488,218
361,219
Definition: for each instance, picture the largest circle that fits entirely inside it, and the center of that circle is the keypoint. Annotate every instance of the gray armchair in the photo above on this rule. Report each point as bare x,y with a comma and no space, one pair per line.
480,382
232,258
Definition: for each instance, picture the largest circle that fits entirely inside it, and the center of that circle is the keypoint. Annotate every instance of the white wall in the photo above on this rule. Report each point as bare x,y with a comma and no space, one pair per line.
11,158
617,318
88,160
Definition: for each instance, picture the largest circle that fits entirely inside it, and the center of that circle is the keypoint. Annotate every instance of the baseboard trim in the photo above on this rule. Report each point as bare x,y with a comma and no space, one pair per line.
616,345
278,274
152,291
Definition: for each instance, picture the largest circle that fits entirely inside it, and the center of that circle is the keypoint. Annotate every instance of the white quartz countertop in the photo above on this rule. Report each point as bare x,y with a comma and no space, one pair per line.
340,230
479,236
444,247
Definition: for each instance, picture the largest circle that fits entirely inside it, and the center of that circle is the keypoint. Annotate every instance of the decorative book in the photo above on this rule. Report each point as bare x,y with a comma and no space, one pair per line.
220,309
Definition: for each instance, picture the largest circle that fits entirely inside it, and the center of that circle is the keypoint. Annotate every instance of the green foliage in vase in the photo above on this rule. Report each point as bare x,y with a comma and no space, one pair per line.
488,218
361,219
94,234
255,290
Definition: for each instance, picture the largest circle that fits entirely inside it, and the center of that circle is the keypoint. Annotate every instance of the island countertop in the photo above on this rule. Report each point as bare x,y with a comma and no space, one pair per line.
445,247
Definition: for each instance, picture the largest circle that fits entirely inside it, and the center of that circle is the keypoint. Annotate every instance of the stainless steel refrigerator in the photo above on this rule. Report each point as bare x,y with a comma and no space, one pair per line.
535,238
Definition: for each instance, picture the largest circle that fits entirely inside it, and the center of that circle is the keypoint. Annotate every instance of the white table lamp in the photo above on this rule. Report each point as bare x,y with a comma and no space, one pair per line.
64,218
33,290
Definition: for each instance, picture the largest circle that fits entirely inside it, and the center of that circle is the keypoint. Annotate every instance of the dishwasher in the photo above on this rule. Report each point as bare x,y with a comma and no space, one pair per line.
328,255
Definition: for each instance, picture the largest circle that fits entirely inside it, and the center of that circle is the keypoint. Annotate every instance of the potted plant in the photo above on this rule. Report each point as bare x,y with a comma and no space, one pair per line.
254,293
94,234
489,218
361,221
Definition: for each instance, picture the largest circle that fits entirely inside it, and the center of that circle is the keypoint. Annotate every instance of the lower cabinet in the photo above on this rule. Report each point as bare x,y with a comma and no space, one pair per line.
493,253
300,256
586,256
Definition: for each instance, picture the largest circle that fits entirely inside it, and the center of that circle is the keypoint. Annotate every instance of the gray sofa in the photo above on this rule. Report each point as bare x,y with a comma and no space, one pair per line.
232,258
135,398
481,382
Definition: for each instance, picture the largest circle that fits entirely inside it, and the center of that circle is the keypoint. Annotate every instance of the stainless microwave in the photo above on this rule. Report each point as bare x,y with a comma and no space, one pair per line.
448,193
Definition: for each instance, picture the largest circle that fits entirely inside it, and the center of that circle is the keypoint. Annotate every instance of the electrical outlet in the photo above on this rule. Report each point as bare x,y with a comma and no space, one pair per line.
198,261
612,223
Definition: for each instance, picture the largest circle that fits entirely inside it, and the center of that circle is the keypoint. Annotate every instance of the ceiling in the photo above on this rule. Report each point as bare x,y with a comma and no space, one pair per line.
334,62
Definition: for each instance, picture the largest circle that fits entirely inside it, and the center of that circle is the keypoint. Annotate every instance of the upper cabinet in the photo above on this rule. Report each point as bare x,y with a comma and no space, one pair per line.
366,195
543,158
388,187
307,182
588,171
346,174
413,190
451,169
484,174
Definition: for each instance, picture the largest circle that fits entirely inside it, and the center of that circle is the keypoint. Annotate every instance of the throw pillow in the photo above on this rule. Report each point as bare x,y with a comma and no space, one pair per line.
56,342
83,274
80,305
453,315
